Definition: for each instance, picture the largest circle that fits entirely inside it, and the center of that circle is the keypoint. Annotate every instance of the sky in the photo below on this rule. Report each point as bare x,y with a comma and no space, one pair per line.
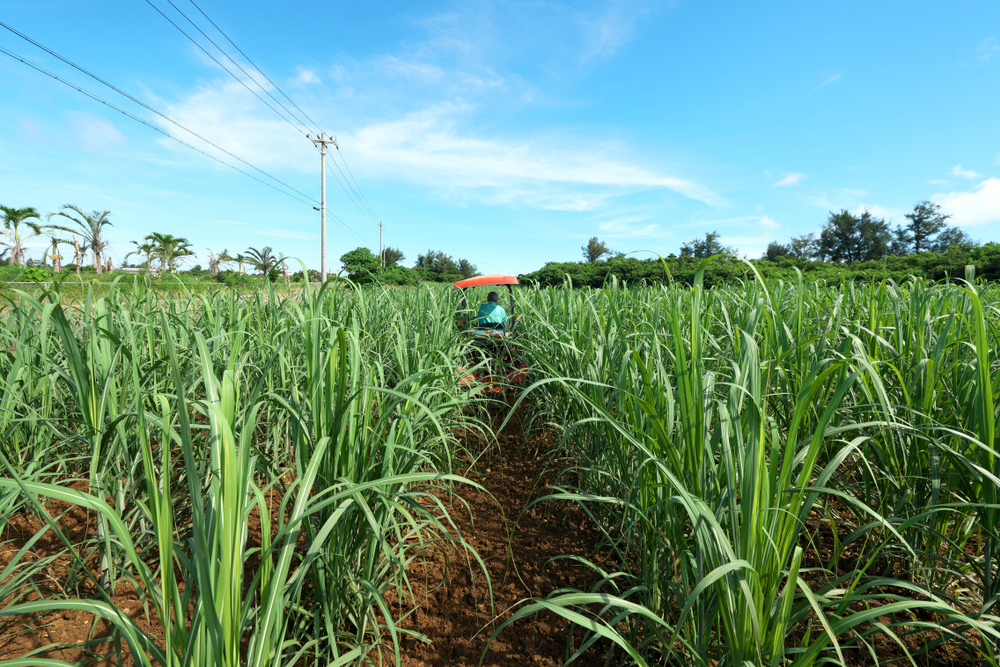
505,133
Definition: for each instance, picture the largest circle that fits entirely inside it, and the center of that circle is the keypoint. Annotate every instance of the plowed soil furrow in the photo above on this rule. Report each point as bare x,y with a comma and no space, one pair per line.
516,547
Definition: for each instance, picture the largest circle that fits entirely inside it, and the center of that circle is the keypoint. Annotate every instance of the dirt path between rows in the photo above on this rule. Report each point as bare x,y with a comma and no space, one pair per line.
456,615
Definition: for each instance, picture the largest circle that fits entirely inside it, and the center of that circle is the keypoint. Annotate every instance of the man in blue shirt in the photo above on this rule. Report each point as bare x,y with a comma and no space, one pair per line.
491,314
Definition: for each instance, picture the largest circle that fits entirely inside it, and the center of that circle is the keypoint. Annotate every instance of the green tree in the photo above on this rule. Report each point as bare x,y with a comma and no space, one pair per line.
776,250
952,237
361,264
88,225
710,245
467,268
802,247
437,266
146,249
850,238
925,222
14,219
263,260
392,256
594,249
170,249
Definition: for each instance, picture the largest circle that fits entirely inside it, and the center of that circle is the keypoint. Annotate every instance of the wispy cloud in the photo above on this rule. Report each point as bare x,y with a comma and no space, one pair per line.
958,172
430,147
96,135
608,31
791,179
629,227
987,49
306,77
33,131
829,80
978,207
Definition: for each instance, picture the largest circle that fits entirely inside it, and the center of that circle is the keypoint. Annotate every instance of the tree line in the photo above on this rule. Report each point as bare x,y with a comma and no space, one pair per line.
848,247
363,266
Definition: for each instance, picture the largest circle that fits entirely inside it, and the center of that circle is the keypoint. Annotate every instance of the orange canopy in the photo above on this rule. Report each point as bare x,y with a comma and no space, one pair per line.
492,279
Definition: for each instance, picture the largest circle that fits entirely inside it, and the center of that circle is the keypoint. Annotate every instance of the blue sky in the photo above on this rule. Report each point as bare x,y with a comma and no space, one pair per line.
510,133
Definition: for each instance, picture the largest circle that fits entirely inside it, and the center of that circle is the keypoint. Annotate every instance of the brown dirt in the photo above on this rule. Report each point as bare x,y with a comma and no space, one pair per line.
456,615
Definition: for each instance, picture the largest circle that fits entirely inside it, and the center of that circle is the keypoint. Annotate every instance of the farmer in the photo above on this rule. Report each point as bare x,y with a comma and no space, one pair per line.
491,314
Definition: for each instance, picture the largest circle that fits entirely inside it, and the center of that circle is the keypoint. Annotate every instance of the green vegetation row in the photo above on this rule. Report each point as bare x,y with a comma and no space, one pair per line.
784,472
181,423
937,266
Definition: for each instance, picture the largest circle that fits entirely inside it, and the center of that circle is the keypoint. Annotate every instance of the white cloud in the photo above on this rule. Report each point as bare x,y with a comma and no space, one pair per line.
769,223
429,147
880,211
979,207
791,179
233,119
96,134
306,77
958,172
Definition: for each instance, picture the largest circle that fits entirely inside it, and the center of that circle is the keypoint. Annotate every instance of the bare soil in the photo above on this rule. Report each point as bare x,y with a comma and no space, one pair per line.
454,597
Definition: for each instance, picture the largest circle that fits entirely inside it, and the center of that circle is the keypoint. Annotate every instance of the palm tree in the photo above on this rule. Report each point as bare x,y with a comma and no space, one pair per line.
89,226
264,259
240,259
169,249
13,218
54,253
146,249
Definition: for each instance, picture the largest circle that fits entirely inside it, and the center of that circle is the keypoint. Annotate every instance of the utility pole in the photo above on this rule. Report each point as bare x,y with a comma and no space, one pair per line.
381,248
322,140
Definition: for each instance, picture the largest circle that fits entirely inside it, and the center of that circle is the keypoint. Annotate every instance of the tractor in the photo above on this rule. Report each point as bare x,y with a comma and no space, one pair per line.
493,343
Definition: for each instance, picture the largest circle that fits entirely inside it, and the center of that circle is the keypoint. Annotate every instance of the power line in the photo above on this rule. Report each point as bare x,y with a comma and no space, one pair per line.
255,66
146,106
216,61
346,185
249,76
348,192
358,187
140,120
346,228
